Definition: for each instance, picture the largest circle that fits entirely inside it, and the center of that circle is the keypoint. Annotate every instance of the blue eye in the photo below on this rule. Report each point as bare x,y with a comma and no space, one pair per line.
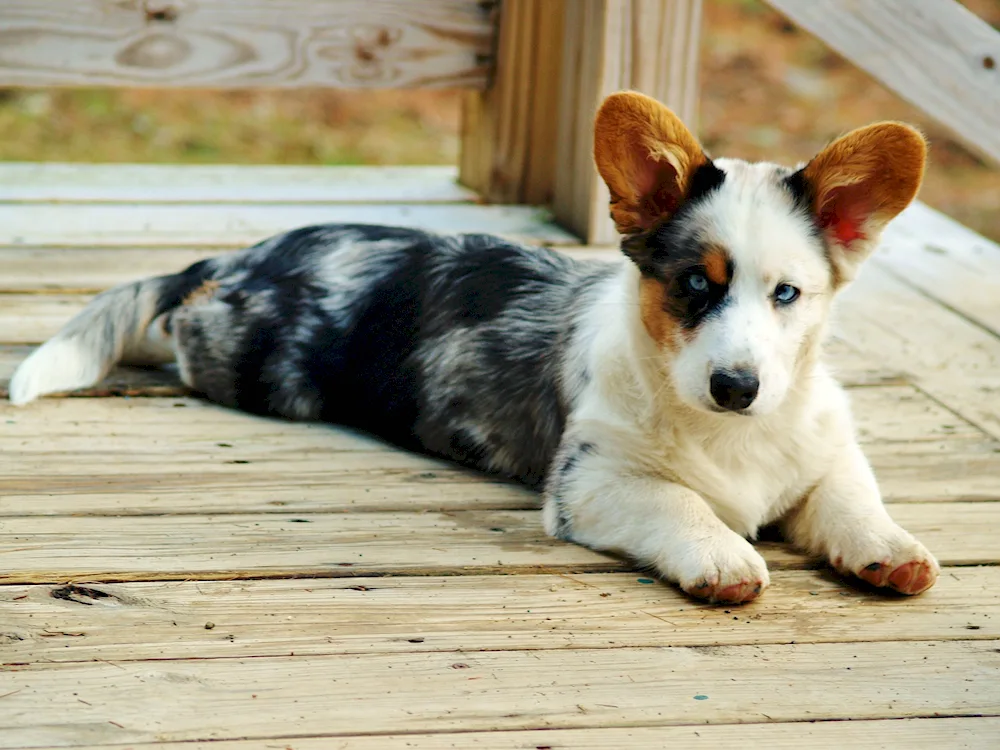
785,294
697,282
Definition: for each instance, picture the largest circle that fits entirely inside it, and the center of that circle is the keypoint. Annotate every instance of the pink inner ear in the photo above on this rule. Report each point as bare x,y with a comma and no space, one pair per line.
657,188
844,211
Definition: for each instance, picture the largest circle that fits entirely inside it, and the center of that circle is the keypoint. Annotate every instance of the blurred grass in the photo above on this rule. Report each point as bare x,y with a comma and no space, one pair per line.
234,127
769,91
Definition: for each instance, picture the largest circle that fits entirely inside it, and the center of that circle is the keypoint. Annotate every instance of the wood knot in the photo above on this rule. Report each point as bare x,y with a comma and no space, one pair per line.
155,51
83,595
989,62
160,11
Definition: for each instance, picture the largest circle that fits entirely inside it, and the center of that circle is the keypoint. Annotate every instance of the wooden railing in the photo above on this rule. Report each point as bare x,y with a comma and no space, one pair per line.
535,70
933,53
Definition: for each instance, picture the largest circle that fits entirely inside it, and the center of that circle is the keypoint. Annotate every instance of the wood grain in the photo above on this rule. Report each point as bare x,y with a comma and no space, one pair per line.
509,131
500,690
610,45
945,261
150,225
246,43
137,621
31,182
970,733
157,458
230,547
950,358
936,54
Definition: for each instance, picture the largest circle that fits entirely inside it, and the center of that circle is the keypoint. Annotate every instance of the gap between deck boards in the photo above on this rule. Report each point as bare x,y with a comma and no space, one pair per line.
969,733
381,694
65,623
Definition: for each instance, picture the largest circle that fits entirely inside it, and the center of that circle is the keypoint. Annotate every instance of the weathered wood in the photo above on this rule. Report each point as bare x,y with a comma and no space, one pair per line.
609,45
158,458
499,690
29,182
89,270
150,548
934,53
946,262
509,131
93,269
138,621
246,43
175,225
969,733
953,360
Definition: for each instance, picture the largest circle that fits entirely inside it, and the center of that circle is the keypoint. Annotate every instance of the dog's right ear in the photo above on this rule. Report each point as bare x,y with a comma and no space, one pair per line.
646,156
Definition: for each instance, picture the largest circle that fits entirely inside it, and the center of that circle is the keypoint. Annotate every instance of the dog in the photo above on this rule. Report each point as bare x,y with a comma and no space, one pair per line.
668,406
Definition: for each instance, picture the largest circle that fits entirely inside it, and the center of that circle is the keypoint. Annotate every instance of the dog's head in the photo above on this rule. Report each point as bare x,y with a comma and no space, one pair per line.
739,261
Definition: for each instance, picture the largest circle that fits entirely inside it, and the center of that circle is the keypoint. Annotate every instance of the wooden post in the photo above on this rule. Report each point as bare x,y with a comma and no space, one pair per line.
528,139
647,45
509,130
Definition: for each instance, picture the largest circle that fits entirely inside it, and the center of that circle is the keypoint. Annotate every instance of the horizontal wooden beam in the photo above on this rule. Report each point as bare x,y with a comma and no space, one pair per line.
237,225
53,182
246,43
936,54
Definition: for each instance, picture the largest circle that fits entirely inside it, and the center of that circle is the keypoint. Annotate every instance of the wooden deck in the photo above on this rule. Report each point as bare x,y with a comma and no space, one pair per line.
172,572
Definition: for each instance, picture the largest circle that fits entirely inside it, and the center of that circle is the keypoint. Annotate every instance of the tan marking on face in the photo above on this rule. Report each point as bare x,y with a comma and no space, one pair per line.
203,293
716,263
659,324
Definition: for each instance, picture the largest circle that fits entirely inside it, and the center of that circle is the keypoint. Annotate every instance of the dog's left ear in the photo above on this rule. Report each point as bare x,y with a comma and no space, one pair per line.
858,184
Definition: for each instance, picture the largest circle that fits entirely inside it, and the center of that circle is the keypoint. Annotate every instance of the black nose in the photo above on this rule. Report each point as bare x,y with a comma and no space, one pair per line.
734,390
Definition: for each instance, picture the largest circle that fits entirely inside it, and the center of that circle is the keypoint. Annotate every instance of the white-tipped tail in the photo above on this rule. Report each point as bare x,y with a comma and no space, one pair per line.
109,330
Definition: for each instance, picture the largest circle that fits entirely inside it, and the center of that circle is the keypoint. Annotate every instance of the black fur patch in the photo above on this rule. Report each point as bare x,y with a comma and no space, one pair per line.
454,346
673,237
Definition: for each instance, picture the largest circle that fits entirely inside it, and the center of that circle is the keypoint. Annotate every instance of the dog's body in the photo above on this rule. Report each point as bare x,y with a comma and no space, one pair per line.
669,406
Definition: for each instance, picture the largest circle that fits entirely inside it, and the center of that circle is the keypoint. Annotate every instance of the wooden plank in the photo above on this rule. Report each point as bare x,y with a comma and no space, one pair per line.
89,270
647,45
174,225
969,732
246,43
509,131
946,262
32,182
936,54
230,547
952,359
505,690
93,269
157,458
139,621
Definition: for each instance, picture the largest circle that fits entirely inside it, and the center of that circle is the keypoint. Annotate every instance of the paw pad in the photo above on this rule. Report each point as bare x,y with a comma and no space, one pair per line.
909,578
737,593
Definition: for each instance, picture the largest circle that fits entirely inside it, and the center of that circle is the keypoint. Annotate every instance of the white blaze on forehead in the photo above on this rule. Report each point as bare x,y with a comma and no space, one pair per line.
754,217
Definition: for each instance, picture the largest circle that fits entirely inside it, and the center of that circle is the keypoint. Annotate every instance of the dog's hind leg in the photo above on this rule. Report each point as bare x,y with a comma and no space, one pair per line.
844,520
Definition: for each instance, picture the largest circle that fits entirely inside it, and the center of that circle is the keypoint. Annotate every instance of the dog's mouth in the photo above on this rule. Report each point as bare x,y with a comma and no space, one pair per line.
716,409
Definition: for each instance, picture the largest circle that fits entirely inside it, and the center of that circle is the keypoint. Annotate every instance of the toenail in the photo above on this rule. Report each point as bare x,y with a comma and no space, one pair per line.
874,566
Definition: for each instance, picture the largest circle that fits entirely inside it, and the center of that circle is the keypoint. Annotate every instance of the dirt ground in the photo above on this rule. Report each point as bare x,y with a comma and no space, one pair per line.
769,91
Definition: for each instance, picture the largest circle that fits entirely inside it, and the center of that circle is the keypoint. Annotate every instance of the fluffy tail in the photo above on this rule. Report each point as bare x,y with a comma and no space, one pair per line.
114,328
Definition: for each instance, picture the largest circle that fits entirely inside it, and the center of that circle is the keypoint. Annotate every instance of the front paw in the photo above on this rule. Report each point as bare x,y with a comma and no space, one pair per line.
724,570
892,560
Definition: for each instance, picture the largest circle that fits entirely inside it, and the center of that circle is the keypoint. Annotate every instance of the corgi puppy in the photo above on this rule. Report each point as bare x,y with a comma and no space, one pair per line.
668,406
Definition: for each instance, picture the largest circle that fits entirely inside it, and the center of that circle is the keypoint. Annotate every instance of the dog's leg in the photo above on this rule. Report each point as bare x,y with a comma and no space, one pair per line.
655,522
844,520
